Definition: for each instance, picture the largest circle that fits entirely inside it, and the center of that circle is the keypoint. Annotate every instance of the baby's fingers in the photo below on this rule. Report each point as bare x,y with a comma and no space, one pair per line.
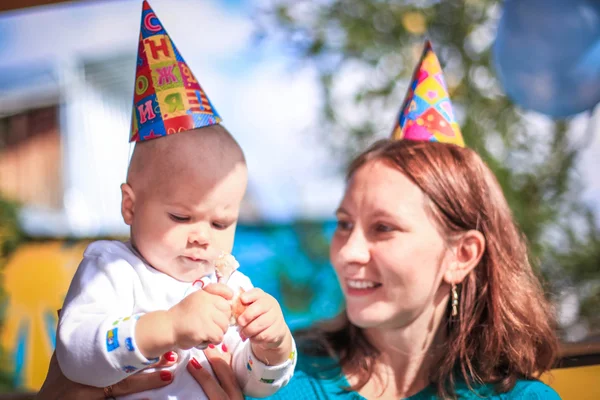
222,304
252,312
219,289
257,326
252,295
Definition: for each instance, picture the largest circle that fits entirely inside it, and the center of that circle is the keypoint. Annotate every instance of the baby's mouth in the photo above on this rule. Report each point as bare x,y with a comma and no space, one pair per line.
195,259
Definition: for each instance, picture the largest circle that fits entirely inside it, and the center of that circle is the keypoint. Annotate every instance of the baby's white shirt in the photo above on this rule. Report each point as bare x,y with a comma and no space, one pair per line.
95,342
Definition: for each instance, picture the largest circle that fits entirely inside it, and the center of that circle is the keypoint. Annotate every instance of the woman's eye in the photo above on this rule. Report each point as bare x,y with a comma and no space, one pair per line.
179,218
344,225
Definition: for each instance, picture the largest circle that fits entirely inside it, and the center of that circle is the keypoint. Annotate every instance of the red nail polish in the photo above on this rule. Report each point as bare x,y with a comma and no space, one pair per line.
212,346
224,348
195,363
166,376
170,356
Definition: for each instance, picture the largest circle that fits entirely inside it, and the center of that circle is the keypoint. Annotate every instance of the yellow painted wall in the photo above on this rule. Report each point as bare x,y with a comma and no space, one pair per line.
36,279
577,383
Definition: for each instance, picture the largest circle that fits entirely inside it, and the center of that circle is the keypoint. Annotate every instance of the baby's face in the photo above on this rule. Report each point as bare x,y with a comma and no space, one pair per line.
181,224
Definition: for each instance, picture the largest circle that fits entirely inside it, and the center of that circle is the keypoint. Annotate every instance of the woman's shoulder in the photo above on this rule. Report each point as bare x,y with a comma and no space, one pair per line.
523,390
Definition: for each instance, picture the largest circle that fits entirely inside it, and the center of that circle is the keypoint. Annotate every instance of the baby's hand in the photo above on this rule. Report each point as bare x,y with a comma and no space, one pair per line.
262,322
203,316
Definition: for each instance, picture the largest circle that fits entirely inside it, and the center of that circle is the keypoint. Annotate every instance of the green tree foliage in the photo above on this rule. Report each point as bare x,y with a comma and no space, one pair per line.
10,231
10,237
533,158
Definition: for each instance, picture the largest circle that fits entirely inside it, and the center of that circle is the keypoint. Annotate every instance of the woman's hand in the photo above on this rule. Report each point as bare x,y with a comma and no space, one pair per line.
58,387
226,387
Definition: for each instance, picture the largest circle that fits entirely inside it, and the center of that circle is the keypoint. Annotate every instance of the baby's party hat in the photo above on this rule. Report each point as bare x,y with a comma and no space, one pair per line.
167,97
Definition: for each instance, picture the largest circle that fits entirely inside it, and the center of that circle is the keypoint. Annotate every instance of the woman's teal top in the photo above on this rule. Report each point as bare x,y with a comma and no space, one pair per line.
309,383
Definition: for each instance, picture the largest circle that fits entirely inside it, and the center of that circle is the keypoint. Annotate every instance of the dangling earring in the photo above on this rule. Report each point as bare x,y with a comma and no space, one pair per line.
454,301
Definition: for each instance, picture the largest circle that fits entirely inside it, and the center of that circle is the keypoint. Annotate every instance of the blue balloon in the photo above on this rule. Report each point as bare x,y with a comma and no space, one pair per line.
547,54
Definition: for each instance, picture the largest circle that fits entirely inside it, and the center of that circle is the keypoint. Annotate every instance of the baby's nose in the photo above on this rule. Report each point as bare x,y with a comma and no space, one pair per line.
198,236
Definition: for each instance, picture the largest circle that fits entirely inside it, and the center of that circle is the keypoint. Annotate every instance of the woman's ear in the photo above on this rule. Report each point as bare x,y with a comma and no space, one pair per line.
468,251
127,203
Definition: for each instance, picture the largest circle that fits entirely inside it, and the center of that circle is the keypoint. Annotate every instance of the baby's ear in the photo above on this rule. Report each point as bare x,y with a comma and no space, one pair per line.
127,203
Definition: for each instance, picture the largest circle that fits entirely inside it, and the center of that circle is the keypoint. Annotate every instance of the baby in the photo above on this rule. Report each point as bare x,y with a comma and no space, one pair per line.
129,303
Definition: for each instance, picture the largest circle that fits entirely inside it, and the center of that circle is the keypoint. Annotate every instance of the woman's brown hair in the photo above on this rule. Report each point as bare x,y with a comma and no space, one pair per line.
504,329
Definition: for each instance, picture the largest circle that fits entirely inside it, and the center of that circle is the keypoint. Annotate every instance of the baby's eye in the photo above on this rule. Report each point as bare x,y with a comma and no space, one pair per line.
383,228
221,225
179,218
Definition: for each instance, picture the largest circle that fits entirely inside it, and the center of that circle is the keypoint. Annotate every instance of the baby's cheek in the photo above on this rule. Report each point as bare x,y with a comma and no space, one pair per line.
224,240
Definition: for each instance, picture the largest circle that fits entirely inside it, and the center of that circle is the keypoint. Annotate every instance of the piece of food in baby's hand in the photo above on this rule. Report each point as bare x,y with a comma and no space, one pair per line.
225,265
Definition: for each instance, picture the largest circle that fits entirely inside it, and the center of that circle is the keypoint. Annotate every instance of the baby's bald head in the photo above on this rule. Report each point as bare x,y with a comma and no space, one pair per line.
206,153
182,199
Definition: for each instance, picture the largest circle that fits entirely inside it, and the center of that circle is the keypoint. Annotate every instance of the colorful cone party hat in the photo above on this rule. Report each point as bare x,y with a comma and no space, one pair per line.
426,114
167,98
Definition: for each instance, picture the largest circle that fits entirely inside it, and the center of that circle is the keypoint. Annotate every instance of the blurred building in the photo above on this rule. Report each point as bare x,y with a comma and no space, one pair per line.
60,125
30,141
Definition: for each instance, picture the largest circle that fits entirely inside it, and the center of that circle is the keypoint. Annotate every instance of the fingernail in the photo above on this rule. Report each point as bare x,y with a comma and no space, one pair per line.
166,376
195,363
170,356
224,348
212,346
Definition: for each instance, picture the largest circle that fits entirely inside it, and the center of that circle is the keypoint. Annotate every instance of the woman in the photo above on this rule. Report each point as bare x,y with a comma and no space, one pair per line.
441,300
